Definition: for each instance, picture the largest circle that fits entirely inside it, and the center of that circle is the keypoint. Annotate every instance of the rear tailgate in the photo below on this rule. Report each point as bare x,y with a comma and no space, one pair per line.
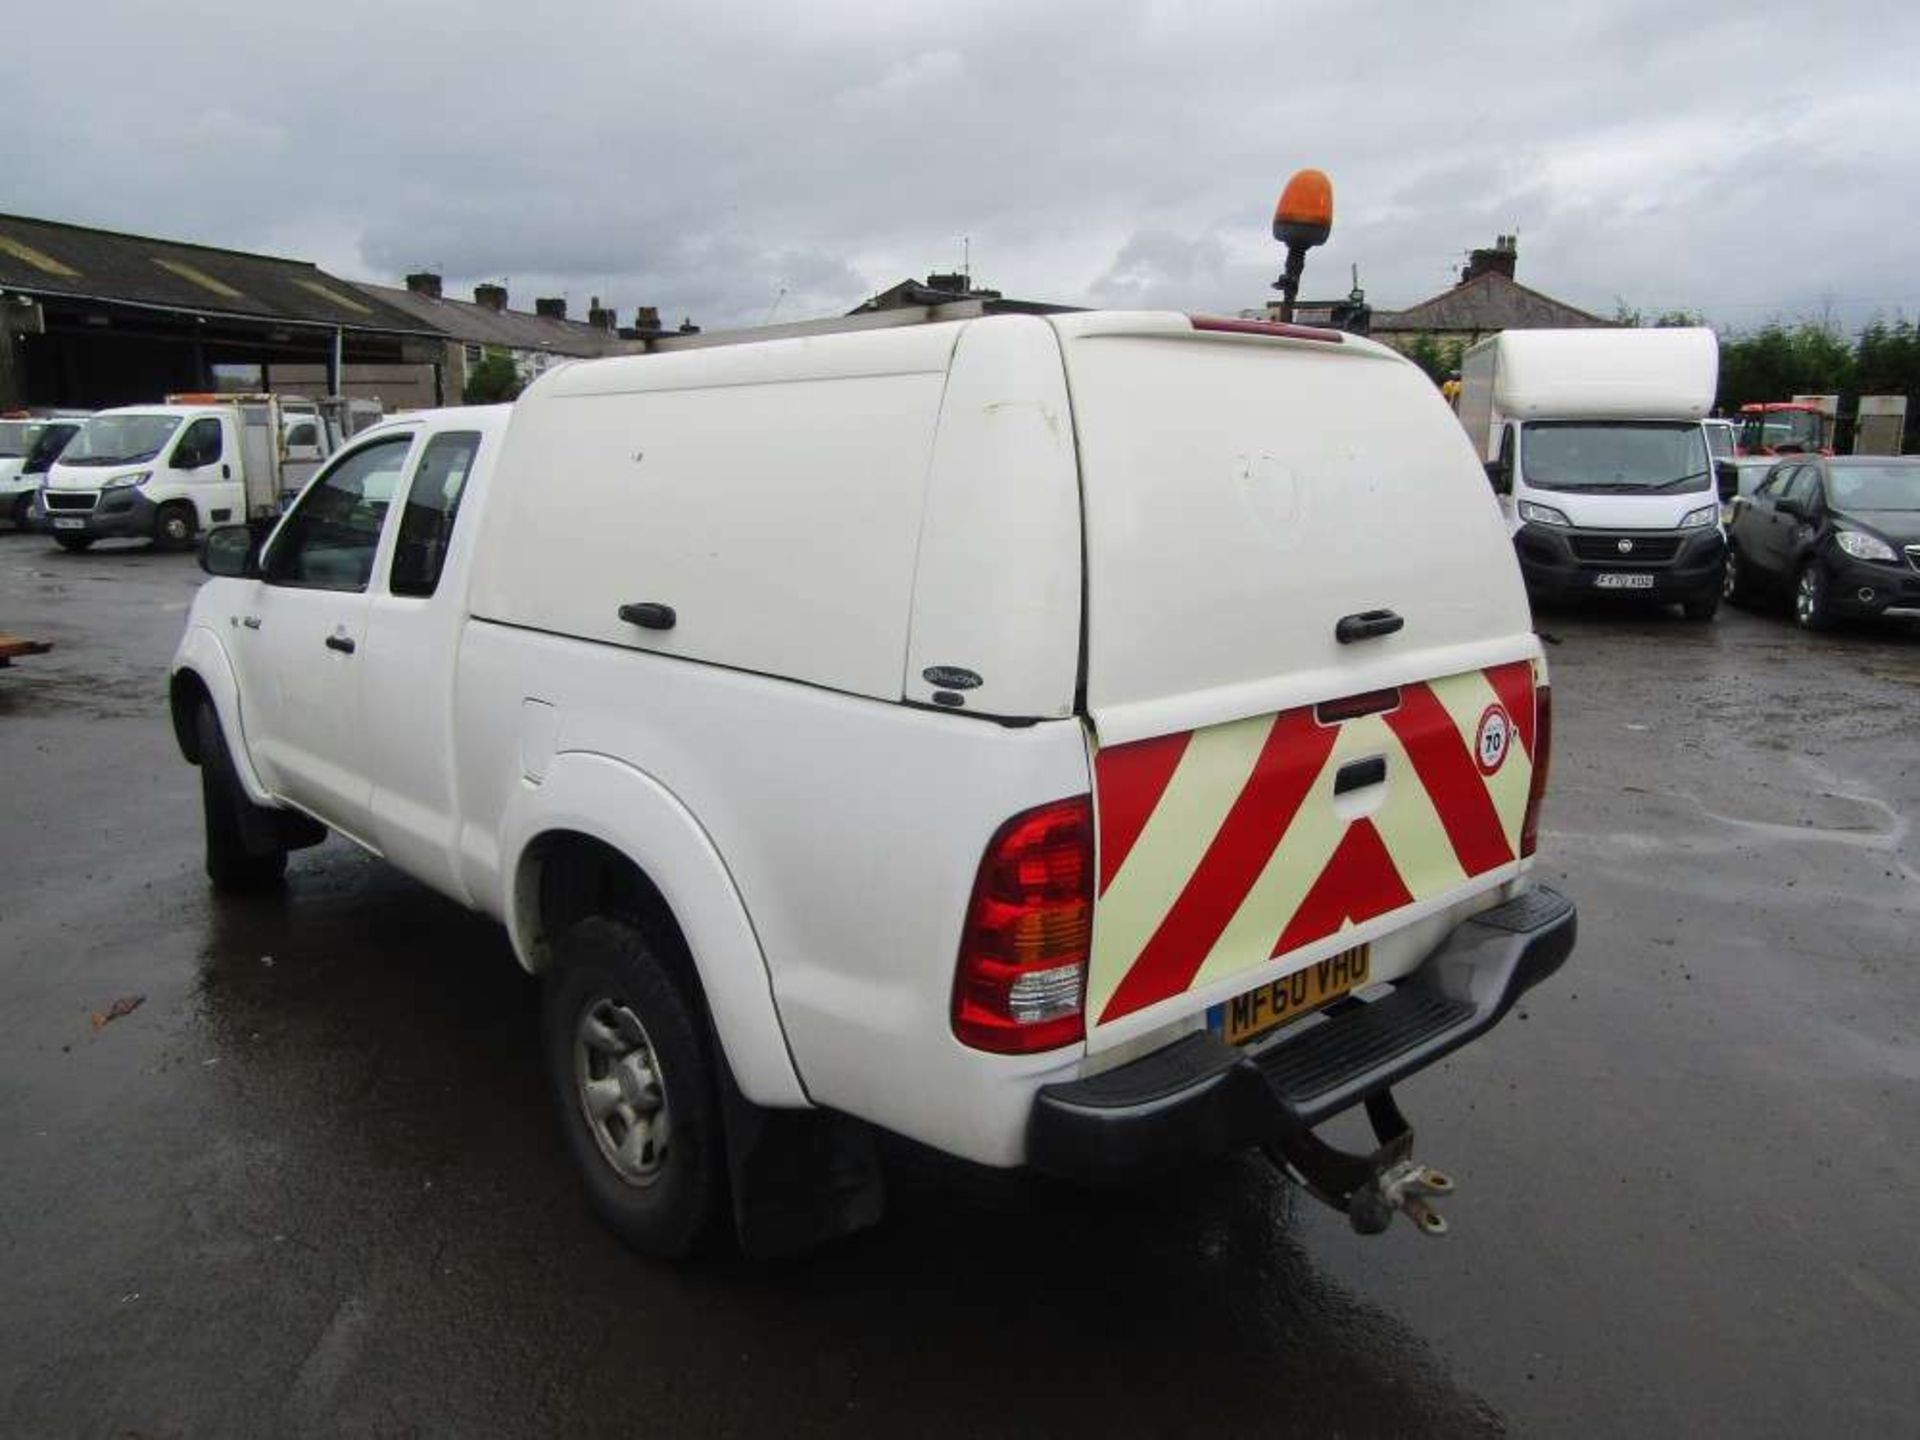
1243,493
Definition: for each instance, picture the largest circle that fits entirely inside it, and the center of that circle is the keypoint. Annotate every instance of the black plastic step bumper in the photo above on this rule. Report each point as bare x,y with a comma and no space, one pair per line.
1200,1097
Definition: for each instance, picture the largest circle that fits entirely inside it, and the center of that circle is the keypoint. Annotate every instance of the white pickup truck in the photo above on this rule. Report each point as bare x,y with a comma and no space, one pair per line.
1089,743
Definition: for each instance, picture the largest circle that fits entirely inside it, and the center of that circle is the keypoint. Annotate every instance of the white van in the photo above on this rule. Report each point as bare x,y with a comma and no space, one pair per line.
169,472
1089,743
1593,441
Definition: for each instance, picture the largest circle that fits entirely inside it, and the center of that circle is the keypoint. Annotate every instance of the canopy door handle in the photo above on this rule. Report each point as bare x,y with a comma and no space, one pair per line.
1366,625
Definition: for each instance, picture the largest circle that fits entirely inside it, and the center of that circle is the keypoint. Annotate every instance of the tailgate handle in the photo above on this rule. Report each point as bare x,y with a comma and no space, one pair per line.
649,615
1366,625
1358,774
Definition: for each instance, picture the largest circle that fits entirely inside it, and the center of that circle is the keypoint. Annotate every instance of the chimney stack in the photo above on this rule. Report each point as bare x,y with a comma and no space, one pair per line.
1498,260
646,320
597,317
551,307
491,297
424,282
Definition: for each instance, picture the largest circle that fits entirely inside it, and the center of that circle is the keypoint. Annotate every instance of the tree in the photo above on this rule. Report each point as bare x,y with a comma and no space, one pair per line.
1439,358
1779,361
493,380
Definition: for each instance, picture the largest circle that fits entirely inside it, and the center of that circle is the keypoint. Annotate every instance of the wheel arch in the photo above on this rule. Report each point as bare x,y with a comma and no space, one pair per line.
598,836
202,672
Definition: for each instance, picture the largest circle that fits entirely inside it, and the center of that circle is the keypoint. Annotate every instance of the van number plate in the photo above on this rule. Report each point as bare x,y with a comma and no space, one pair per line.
69,524
1623,582
1268,1007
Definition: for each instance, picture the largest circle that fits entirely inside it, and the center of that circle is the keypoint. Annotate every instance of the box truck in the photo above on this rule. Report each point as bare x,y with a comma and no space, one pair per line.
1594,443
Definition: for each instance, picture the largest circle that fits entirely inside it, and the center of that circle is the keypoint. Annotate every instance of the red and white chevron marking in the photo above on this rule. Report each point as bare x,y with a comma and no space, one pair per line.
1225,847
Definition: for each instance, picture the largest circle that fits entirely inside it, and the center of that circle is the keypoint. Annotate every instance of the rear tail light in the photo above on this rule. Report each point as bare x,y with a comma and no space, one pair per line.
1022,978
1542,755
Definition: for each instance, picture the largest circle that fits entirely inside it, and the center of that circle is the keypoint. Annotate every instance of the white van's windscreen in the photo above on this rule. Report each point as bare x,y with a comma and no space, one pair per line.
1616,457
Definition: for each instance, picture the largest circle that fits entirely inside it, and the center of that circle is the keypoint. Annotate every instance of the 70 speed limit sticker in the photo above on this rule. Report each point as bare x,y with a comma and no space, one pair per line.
1494,737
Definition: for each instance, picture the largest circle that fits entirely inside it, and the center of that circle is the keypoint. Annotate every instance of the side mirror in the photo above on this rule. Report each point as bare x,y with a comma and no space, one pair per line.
1727,474
232,551
1499,478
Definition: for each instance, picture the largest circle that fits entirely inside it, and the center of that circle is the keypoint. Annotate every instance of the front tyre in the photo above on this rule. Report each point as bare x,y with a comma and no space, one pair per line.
74,544
232,864
634,1088
1701,610
1812,606
174,526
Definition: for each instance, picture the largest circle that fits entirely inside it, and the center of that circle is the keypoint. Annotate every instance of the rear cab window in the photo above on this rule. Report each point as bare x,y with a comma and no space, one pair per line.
432,506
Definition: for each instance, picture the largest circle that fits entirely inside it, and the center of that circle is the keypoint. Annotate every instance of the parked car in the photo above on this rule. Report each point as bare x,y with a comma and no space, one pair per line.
995,732
1839,534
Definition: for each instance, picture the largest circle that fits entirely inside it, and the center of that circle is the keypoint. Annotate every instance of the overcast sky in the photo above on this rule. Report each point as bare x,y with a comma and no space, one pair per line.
1744,159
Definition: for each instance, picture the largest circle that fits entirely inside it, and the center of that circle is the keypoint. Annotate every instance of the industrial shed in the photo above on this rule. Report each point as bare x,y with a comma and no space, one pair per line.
94,317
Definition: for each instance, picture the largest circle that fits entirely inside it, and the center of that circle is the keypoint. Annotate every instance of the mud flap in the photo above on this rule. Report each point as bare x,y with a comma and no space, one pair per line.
799,1178
1367,1189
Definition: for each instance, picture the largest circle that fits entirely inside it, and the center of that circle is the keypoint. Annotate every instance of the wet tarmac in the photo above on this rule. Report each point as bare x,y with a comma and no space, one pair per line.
310,1186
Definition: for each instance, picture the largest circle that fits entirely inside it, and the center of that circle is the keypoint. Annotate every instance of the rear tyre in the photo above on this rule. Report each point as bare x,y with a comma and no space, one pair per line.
174,526
634,1088
232,864
1812,608
74,544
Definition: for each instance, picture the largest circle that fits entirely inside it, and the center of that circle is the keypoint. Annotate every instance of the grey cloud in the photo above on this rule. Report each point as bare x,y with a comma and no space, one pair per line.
703,160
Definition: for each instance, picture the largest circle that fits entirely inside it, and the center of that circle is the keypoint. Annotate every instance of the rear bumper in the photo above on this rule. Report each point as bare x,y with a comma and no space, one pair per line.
1554,572
1199,1097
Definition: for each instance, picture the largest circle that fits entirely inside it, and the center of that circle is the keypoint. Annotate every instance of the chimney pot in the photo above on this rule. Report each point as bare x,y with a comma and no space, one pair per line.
493,297
647,318
424,282
551,307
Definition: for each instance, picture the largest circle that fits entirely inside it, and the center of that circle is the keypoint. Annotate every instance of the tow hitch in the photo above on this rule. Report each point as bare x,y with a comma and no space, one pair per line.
1367,1189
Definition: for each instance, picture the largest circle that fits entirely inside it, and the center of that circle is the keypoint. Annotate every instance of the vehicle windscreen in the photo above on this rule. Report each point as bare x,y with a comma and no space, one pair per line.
117,439
47,448
16,437
1782,430
1615,457
1874,487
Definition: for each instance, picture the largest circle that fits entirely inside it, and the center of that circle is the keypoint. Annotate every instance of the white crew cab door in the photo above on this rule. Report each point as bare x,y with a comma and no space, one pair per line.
302,676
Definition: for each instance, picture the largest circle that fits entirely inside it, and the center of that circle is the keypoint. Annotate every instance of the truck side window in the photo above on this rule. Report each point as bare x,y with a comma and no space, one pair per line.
1506,454
327,543
199,444
433,503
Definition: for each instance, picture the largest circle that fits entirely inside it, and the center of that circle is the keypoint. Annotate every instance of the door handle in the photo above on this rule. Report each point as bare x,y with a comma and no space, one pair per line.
1366,625
226,472
341,643
649,615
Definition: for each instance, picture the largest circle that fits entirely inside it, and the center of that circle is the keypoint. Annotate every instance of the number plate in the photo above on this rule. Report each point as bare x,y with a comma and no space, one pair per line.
1623,582
1268,1007
69,523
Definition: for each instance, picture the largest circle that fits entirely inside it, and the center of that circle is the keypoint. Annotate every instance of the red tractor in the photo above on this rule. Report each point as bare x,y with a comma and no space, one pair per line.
1783,427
